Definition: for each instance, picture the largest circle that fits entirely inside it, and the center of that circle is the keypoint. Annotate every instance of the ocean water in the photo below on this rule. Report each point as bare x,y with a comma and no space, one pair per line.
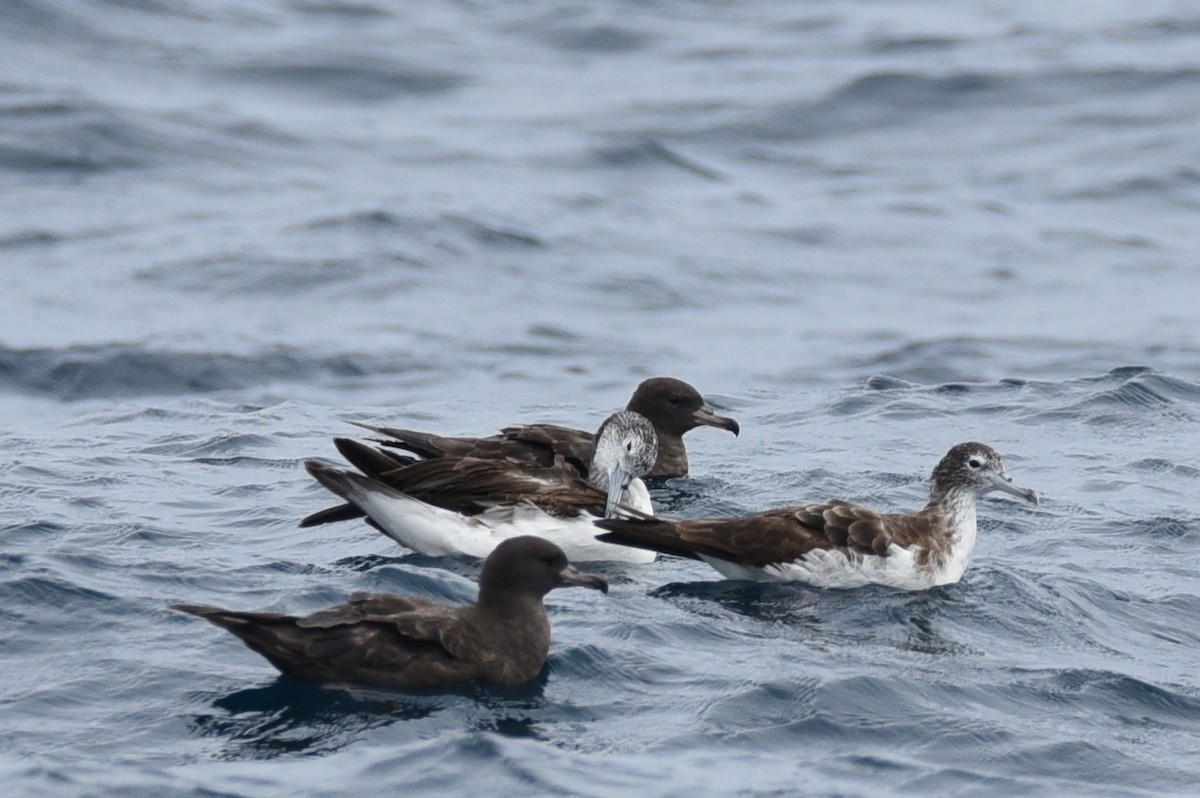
866,230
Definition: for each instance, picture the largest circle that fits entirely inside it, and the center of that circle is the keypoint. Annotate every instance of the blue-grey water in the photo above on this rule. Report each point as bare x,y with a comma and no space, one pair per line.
867,230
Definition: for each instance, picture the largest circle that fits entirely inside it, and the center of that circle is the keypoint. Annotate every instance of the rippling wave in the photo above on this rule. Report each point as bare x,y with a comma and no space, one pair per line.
867,231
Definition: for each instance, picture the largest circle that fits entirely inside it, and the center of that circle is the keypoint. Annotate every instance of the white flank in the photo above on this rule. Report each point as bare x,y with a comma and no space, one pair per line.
438,532
637,497
825,568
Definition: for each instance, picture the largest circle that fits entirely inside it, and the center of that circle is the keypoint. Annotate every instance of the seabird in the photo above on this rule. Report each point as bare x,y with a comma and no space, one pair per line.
838,544
399,641
672,406
467,505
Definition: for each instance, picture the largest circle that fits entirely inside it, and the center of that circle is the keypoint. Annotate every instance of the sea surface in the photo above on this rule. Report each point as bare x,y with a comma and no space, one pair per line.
867,230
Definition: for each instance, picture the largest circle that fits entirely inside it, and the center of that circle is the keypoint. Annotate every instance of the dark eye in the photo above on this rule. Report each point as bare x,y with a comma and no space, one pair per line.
629,446
974,463
675,400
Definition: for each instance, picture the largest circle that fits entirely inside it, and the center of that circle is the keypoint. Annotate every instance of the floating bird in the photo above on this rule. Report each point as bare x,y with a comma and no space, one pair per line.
838,544
397,641
672,406
467,505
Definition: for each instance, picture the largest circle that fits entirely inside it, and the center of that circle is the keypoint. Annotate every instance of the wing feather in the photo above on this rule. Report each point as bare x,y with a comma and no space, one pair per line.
545,445
772,537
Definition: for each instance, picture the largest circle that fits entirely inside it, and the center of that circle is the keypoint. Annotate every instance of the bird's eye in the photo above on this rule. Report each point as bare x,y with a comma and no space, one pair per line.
675,400
629,446
974,463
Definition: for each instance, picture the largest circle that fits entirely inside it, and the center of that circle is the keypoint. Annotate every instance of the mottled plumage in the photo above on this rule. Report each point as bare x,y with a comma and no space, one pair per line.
396,641
465,506
838,544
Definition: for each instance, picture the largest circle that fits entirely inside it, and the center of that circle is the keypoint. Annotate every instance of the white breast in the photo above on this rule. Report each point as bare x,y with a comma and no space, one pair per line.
637,496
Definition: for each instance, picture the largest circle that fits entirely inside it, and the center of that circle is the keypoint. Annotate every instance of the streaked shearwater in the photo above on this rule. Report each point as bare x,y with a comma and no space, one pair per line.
838,544
397,641
466,505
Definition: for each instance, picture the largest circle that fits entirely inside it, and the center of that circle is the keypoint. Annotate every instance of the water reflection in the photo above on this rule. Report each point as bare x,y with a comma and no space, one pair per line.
290,717
691,497
790,603
921,612
293,717
909,621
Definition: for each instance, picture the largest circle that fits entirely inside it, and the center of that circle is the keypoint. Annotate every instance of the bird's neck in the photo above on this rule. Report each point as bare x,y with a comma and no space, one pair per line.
947,557
958,507
502,604
518,633
957,510
672,457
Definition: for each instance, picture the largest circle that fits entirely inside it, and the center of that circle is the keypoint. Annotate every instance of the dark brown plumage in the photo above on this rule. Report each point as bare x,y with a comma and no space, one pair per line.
453,473
465,484
672,406
774,536
396,641
626,448
468,485
937,539
465,506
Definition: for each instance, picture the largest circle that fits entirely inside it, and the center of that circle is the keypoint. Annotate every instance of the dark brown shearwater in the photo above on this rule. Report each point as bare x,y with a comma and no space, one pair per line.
838,544
395,641
672,406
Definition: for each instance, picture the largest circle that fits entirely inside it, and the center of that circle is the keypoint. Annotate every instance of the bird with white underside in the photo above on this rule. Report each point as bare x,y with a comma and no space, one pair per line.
837,544
466,506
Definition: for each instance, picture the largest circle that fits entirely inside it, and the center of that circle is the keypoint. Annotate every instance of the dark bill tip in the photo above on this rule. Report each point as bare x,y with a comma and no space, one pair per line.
708,418
573,577
1003,482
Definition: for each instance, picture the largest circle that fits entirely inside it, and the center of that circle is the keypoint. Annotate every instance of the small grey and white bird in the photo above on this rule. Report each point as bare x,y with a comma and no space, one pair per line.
397,641
466,506
837,544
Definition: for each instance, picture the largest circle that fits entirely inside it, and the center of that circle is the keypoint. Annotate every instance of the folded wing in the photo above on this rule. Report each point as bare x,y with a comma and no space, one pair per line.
768,538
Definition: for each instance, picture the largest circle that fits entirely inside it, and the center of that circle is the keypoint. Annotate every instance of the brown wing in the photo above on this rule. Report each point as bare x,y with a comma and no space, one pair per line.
468,483
544,445
566,500
379,464
447,644
422,444
382,640
471,485
371,607
552,443
414,618
775,536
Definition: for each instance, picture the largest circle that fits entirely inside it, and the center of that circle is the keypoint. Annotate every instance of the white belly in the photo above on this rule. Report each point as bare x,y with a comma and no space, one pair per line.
438,532
833,569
